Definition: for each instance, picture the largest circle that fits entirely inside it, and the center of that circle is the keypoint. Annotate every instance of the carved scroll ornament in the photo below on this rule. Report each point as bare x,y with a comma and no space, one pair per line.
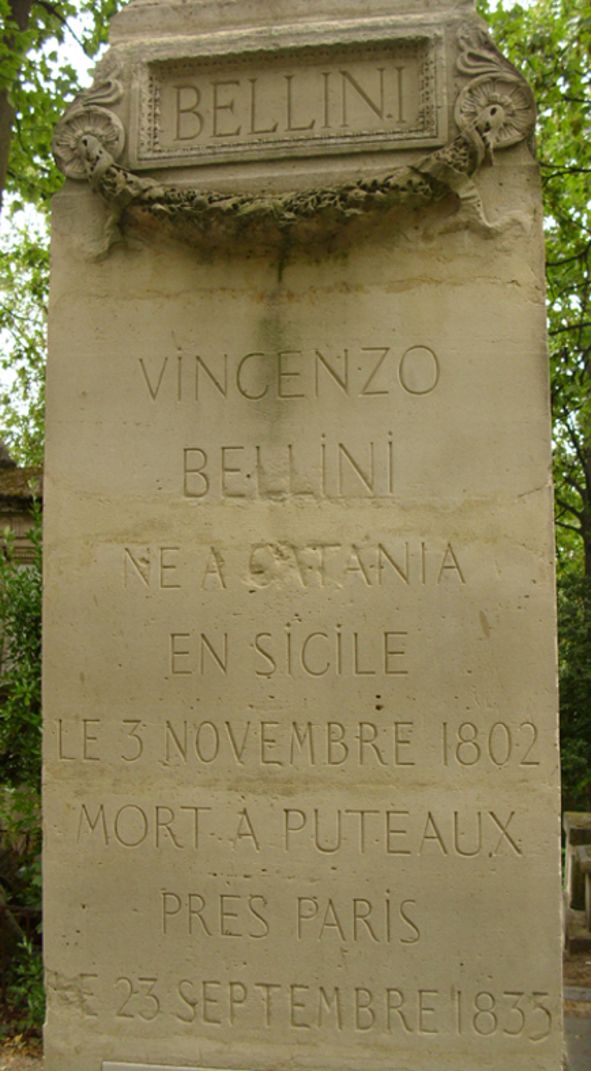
493,111
88,115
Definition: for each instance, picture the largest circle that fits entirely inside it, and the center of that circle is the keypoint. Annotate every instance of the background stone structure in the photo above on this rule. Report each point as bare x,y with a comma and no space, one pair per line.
19,487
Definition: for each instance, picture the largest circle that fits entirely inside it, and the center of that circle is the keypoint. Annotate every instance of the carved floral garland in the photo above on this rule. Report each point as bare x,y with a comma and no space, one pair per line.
495,110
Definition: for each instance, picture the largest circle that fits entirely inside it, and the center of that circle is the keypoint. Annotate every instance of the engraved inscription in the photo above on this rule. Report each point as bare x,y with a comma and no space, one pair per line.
222,915
467,744
319,373
291,651
333,564
319,918
301,745
380,741
381,919
397,1010
363,1009
466,835
323,830
320,100
325,468
316,563
80,742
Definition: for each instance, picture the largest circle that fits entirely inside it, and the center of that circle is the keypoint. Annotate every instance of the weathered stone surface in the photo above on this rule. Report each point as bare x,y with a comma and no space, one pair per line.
161,18
300,692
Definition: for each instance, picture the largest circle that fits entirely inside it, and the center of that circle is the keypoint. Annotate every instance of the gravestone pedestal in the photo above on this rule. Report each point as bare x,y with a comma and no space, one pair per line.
301,766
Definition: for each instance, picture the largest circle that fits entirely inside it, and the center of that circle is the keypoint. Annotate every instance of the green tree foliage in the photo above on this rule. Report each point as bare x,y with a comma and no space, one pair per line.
550,42
574,617
20,671
20,766
37,79
24,284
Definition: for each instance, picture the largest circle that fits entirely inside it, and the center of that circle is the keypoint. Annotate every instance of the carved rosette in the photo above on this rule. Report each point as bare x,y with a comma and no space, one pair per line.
87,115
500,109
78,123
497,105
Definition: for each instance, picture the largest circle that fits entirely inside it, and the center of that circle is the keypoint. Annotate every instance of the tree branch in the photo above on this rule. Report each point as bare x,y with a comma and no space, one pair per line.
569,509
53,10
570,327
569,527
576,445
568,260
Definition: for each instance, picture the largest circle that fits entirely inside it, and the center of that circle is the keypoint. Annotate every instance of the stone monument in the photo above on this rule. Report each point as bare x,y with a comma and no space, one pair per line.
301,742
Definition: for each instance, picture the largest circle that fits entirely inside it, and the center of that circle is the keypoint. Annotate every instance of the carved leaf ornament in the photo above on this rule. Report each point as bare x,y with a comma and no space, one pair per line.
494,110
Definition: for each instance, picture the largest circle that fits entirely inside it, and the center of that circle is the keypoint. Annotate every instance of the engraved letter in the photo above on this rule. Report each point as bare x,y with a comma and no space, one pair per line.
416,933
419,370
237,996
195,460
294,821
364,1013
177,651
214,572
343,382
227,106
348,79
265,654
188,99
320,669
168,566
240,385
395,1004
290,125
450,563
153,390
391,652
221,387
253,109
228,471
505,836
307,910
368,480
337,749
221,660
171,905
140,565
245,830
93,823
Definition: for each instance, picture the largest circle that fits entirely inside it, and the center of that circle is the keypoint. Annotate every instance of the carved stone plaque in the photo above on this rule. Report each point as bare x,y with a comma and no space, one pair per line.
288,102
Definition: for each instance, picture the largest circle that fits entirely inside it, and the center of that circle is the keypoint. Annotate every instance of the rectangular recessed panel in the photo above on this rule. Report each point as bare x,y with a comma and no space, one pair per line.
108,1066
294,102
